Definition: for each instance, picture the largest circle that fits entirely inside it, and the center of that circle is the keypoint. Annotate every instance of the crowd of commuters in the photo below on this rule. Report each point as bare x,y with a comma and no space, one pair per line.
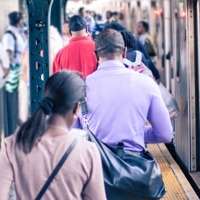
119,102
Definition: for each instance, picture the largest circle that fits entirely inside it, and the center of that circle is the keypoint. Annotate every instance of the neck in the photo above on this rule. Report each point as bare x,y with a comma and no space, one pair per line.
79,33
57,125
117,58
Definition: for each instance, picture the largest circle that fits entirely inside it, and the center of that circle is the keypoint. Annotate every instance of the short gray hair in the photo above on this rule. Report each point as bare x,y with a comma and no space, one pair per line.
109,43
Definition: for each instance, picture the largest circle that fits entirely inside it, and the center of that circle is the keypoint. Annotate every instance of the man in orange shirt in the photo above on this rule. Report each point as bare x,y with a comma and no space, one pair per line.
79,54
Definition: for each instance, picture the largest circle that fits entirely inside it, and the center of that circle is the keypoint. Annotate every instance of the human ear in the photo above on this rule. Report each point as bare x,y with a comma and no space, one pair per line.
97,56
76,110
124,52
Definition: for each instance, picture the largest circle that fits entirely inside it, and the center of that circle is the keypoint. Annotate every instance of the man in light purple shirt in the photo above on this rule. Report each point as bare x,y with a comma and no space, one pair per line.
120,101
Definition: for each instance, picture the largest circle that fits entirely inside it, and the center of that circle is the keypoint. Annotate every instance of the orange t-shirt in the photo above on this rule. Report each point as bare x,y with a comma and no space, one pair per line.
78,56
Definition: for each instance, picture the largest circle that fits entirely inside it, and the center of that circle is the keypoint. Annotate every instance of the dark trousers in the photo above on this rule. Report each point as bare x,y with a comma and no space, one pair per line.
11,118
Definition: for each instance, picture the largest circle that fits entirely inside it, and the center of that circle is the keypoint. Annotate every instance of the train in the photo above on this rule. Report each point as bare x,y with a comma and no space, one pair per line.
175,27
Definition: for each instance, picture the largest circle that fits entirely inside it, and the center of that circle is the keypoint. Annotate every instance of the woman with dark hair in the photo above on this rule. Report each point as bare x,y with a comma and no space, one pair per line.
28,157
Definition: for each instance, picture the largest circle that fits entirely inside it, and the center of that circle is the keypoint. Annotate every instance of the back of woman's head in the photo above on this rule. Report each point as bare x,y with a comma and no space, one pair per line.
128,37
62,92
64,89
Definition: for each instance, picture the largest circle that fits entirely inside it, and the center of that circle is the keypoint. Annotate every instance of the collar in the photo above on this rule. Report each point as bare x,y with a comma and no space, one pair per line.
78,38
111,64
13,28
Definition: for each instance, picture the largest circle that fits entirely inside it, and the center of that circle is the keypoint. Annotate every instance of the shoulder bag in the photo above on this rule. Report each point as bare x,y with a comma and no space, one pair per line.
129,175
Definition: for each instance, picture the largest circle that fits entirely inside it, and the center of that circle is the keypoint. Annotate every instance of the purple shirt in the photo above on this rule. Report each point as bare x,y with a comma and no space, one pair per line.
120,101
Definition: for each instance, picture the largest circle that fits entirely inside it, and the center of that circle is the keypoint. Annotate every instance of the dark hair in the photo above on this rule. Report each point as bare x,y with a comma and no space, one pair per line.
62,91
115,13
99,17
128,37
81,10
109,43
14,18
145,25
109,13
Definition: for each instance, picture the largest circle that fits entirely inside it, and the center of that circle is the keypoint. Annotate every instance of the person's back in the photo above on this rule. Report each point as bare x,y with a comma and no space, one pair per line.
78,55
120,100
31,170
29,156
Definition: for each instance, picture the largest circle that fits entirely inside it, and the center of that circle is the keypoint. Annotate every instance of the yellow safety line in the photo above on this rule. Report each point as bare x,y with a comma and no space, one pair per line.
173,186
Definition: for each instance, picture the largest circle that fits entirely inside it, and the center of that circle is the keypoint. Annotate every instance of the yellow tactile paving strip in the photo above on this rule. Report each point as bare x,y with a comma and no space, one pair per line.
173,187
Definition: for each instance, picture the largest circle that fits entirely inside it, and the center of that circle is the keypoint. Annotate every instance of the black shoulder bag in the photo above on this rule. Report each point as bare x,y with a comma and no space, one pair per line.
56,170
128,175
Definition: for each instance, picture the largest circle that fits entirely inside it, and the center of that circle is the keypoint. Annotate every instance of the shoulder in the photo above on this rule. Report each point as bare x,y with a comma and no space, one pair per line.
88,147
87,150
9,143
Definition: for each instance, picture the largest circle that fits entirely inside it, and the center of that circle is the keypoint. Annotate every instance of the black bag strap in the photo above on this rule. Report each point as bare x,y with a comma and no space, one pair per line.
15,39
56,170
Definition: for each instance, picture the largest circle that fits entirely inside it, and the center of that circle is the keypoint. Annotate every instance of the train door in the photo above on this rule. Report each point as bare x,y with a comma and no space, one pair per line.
185,87
197,61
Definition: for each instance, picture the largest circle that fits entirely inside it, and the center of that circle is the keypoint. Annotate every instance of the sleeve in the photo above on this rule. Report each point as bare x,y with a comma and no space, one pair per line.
94,189
6,173
160,130
4,57
8,42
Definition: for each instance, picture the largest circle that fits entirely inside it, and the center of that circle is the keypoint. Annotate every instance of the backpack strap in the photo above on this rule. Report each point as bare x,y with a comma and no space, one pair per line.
15,39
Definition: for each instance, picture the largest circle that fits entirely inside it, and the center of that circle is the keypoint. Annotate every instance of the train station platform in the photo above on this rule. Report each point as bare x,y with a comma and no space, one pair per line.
177,186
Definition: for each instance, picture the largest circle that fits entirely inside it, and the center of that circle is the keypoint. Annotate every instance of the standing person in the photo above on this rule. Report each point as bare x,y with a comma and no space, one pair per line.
44,138
78,55
109,16
116,16
86,14
145,38
14,42
120,101
99,26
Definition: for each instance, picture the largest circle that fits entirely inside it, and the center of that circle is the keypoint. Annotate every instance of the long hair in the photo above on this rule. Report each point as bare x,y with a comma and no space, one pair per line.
62,91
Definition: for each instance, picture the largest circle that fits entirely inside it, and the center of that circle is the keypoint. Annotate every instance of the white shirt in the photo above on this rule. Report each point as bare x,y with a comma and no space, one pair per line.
9,43
4,60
